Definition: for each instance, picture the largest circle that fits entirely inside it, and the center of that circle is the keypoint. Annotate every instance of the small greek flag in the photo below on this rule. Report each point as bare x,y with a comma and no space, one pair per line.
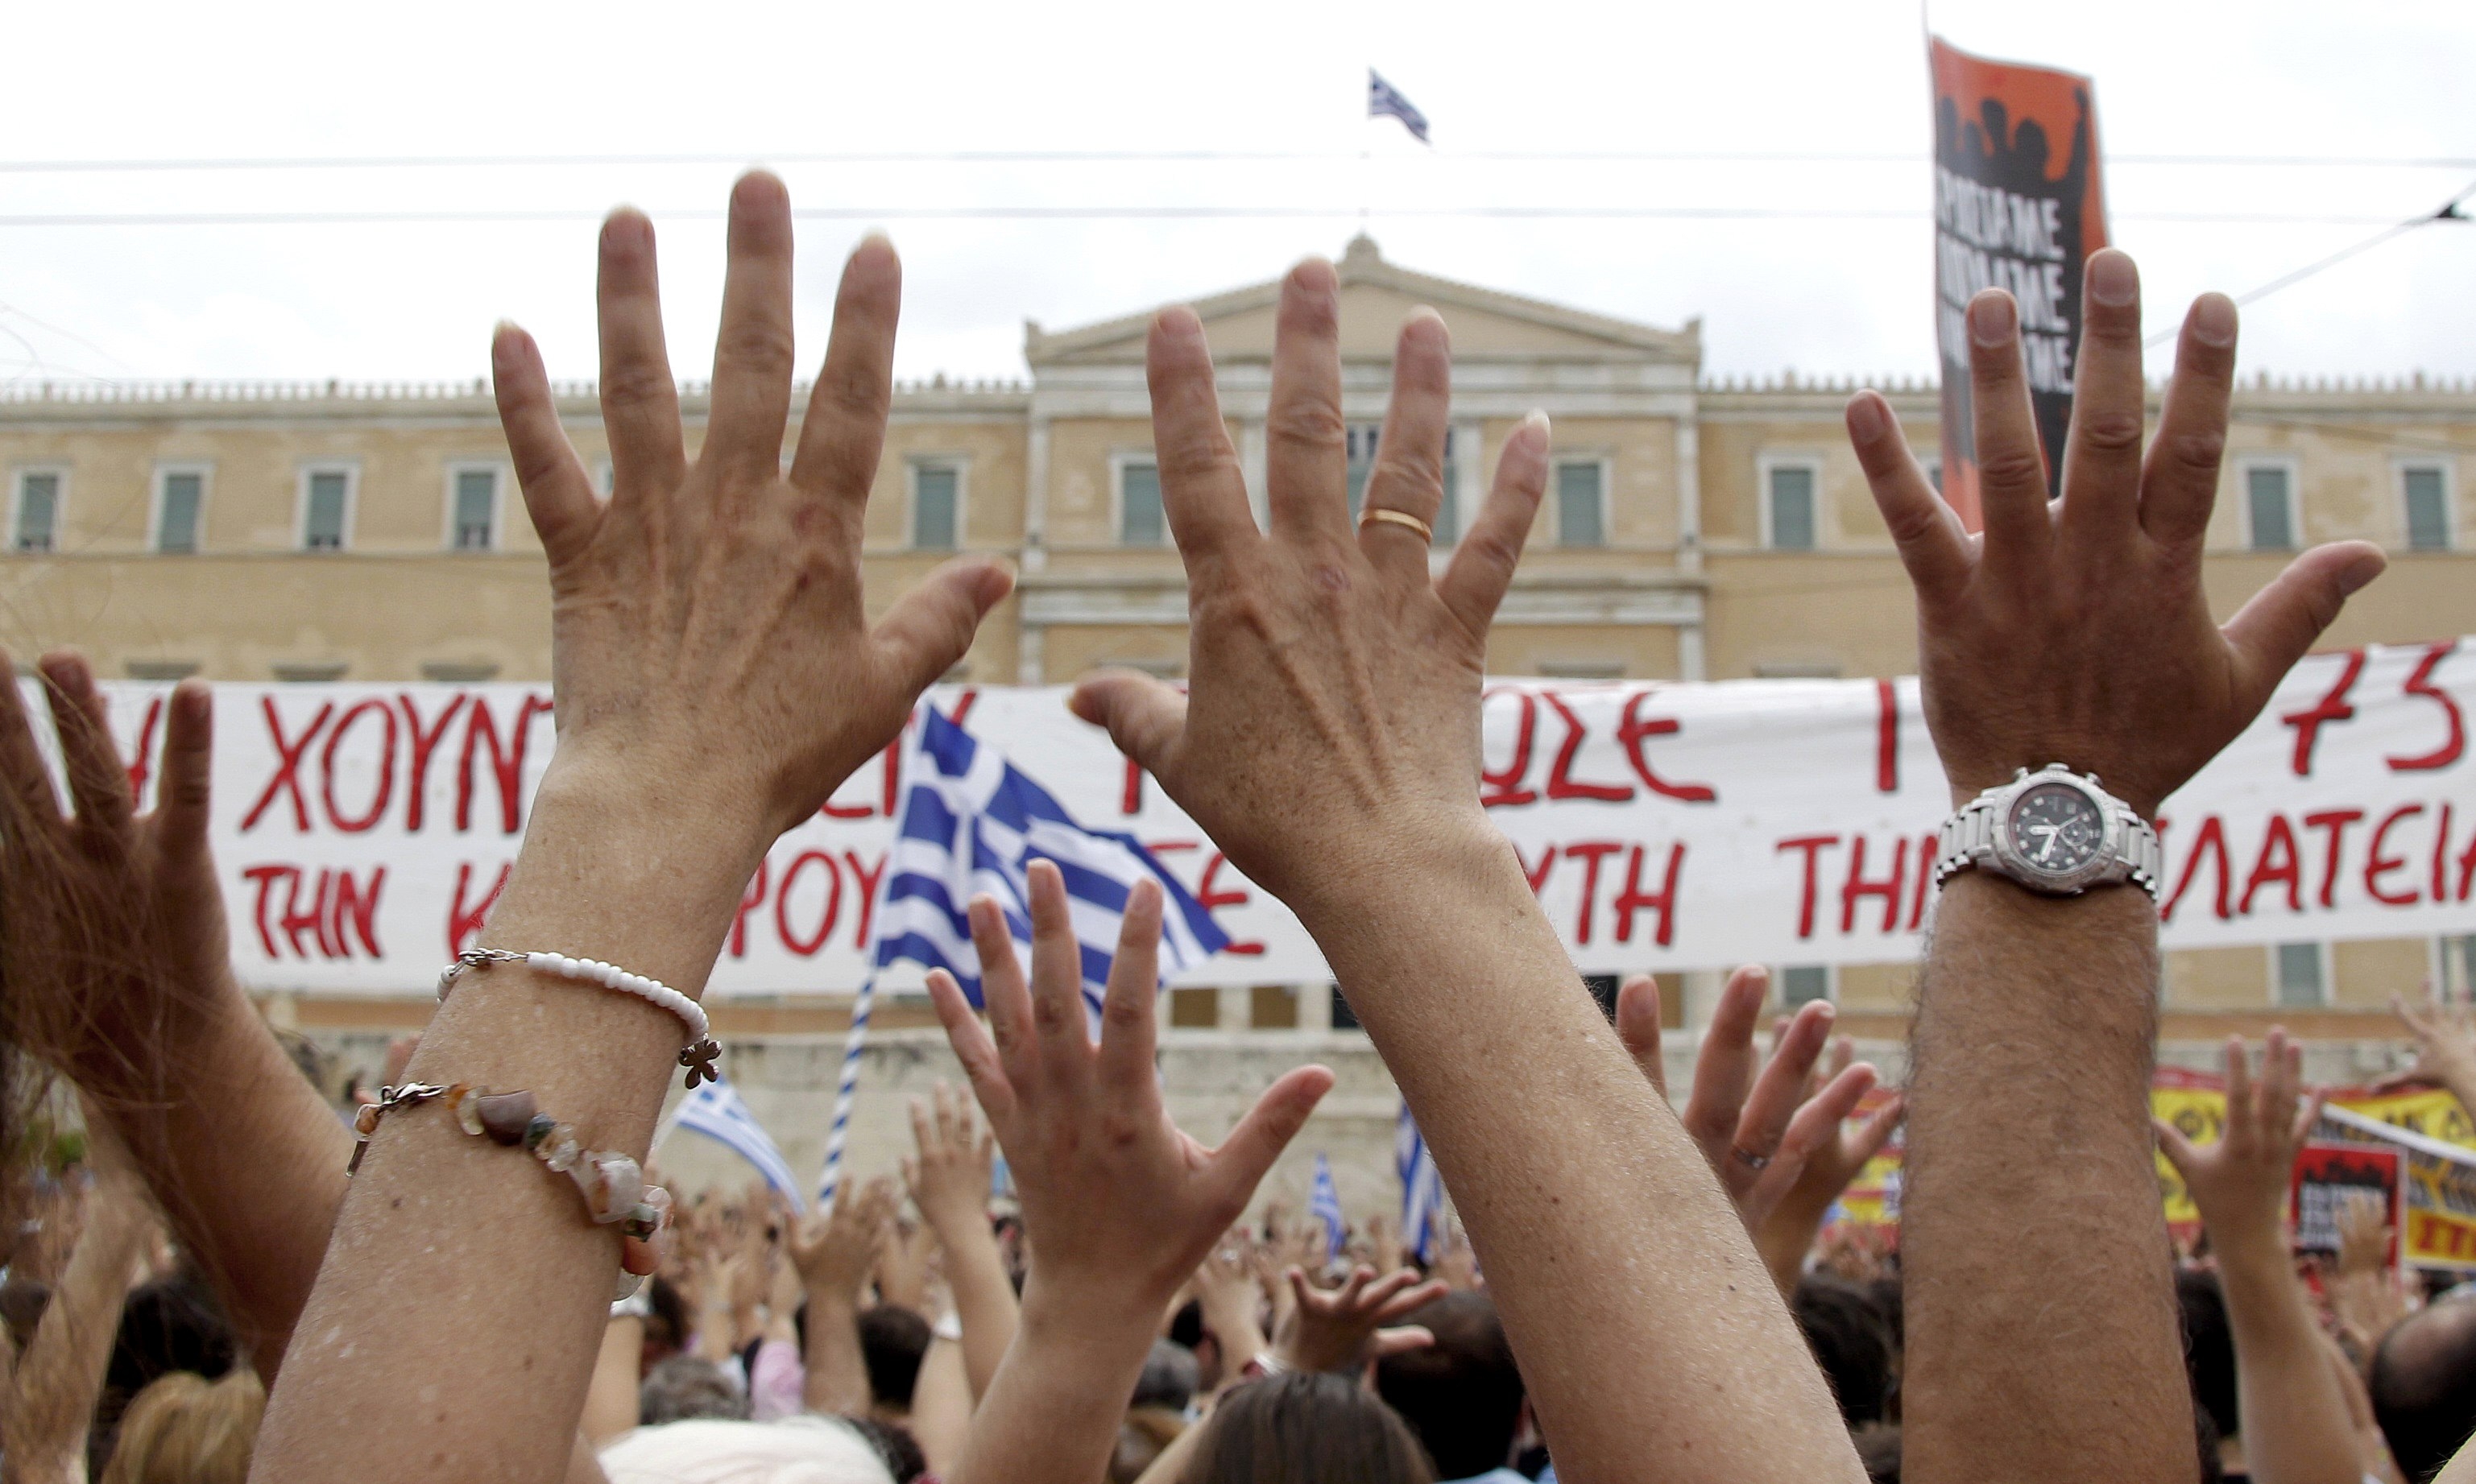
973,823
1323,1203
717,1111
1422,1187
1384,100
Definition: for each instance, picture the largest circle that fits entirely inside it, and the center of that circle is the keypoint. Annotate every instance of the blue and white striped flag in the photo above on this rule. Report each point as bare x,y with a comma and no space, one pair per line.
1385,101
1323,1203
1423,1188
971,822
717,1111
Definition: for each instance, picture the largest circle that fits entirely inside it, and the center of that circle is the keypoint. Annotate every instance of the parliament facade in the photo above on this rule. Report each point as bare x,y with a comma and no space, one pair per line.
1693,529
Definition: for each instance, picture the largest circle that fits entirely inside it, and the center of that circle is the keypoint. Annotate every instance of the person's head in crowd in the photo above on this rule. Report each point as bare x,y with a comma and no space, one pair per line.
1187,1328
1307,1428
795,1450
185,1429
1462,1396
2423,1385
2209,1348
1157,1412
666,1328
896,1447
172,1324
892,1341
687,1388
1891,1302
1851,1341
1168,1380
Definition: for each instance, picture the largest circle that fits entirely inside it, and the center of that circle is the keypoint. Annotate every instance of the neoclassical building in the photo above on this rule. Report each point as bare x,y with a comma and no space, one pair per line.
1694,528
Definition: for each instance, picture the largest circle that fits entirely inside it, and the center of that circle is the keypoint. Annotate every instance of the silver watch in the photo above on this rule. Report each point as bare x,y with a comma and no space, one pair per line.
2054,832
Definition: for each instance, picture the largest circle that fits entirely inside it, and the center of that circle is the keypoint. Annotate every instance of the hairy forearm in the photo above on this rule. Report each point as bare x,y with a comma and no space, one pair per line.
1052,1413
837,1374
1620,1268
58,1380
985,1297
471,1265
2293,1415
2042,1009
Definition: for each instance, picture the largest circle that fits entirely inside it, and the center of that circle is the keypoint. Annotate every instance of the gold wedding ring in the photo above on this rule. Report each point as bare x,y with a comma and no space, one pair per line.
1402,518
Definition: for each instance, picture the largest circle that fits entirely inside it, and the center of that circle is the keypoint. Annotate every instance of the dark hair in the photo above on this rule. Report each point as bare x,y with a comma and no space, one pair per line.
892,1341
1169,1377
172,1324
1307,1428
895,1446
1851,1341
1878,1450
2423,1386
670,1314
2208,1347
1186,1325
1462,1395
22,1301
687,1388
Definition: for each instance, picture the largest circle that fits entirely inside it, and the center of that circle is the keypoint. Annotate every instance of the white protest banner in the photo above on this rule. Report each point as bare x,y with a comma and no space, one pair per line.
362,829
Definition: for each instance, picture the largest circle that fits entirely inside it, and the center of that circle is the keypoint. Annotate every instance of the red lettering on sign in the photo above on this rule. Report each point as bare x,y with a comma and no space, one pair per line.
1638,729
465,921
357,912
1887,739
2379,864
386,787
1561,783
1633,899
1130,797
2210,843
142,762
867,881
1927,845
1813,846
2419,682
2466,868
1591,851
749,901
294,921
2278,863
425,743
807,947
1887,888
1504,788
2441,854
2335,822
264,879
507,762
1214,899
892,776
1538,877
2331,707
288,753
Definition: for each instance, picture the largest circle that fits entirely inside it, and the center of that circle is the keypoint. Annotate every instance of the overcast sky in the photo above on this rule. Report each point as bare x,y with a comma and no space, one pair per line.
760,83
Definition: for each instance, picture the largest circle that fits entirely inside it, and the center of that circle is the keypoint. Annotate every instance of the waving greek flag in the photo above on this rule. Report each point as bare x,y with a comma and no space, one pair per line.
1323,1203
1422,1187
1385,101
717,1111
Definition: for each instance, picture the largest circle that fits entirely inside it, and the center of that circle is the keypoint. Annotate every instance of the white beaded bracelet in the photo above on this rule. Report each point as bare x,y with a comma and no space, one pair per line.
698,1055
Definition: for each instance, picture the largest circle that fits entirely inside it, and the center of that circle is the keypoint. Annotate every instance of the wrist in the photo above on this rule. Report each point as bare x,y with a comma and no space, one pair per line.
1453,853
1097,1330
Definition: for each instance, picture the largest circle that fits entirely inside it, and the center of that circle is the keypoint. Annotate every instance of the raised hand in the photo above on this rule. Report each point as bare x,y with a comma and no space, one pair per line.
1344,1328
2077,629
1762,1129
1119,1205
836,1252
949,1177
2445,1051
2241,1182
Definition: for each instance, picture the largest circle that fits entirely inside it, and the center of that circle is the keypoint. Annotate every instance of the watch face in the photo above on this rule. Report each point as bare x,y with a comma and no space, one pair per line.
2056,831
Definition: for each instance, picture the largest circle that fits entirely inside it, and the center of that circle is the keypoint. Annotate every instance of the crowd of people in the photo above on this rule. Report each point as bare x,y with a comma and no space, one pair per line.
215,1273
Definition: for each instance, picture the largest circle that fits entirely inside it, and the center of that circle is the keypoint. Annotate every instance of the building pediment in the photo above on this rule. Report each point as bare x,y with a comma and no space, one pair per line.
1375,297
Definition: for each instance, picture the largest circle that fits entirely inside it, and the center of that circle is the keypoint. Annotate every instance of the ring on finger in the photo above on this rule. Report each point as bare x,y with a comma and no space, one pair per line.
1750,1159
1373,515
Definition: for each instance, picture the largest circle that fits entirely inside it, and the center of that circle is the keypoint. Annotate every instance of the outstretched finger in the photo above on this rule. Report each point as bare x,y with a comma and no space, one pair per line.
1402,1339
1725,1067
1129,1009
1204,491
185,788
2177,1149
842,435
931,628
1408,477
640,401
2011,465
1403,1293
2243,1113
1237,1167
1305,462
971,1048
98,781
2110,405
1475,580
1144,717
2179,480
2269,634
1002,990
1933,546
752,349
1057,1017
558,495
21,759
1771,1109
1814,1126
1638,1028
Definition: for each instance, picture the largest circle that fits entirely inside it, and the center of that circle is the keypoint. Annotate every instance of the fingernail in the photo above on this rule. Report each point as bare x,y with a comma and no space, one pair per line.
1535,417
1864,417
2363,570
1991,318
2214,320
2113,280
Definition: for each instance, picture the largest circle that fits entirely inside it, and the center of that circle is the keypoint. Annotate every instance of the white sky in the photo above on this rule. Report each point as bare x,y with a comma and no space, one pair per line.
756,82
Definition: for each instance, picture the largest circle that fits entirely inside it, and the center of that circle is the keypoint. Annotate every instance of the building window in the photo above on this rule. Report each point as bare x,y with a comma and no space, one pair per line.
35,525
2426,489
2301,976
1581,503
1141,521
326,508
2270,508
1362,438
1789,492
936,506
1801,984
473,508
1344,1018
180,501
2458,977
1449,514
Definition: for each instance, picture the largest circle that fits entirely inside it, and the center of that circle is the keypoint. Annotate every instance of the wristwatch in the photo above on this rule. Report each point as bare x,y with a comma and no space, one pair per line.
2054,832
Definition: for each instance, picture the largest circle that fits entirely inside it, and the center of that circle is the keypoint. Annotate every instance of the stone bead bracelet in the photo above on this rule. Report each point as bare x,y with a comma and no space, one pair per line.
612,1184
698,1054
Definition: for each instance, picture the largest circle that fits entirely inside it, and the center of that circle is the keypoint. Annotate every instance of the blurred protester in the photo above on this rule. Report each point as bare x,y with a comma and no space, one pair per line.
185,1429
1461,1393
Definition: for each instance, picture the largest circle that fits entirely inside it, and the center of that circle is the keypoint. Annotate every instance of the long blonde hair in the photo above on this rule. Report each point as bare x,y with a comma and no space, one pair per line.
185,1429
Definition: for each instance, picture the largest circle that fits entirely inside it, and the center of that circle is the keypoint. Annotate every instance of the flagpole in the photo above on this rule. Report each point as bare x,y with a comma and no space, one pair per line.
847,1090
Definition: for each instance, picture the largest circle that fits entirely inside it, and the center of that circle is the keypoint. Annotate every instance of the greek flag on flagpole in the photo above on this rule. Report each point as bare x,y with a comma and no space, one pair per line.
972,824
717,1111
1323,1203
1384,100
1422,1187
